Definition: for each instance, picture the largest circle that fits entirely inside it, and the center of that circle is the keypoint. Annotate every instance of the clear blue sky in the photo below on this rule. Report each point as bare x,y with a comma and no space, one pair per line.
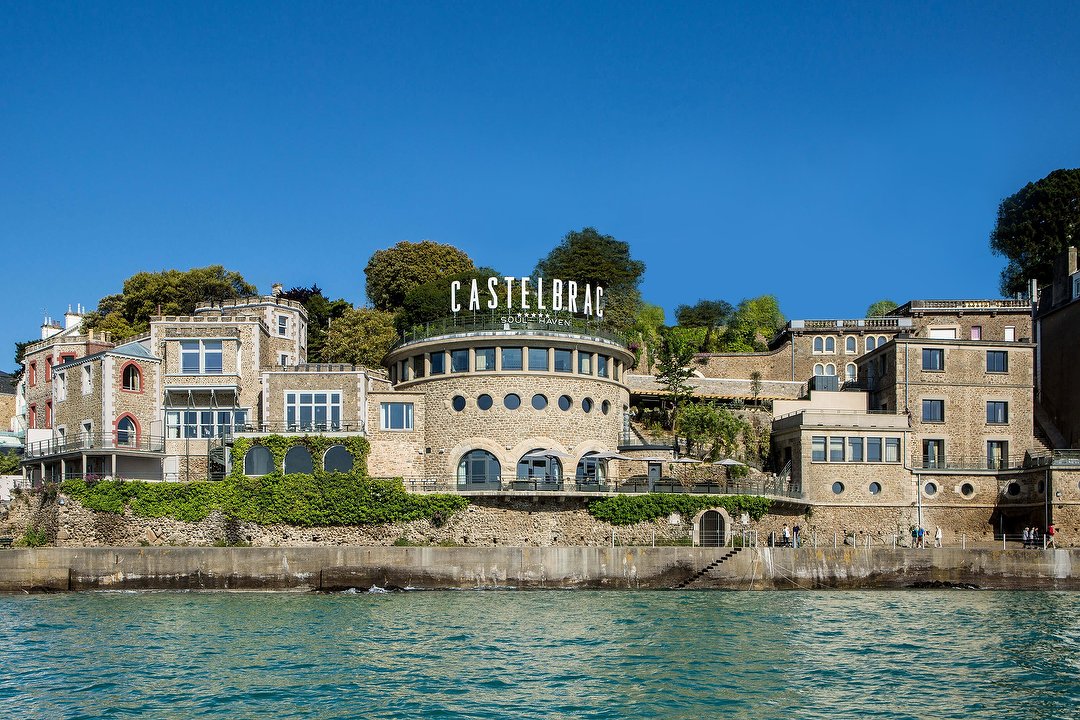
830,153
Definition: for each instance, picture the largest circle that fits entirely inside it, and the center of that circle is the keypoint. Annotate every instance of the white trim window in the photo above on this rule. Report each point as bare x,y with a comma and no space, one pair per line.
283,325
200,357
194,423
87,379
851,345
61,386
396,416
318,410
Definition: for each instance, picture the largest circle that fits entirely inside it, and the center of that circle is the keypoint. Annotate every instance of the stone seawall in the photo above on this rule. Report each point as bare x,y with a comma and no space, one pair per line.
339,568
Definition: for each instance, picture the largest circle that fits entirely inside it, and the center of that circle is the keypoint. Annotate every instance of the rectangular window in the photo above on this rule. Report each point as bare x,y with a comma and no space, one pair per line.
511,359
997,454
485,359
564,360
48,413
418,366
282,325
32,416
284,360
892,449
933,359
319,410
997,361
200,357
601,366
933,411
32,374
873,449
584,363
836,449
997,412
933,453
396,416
817,448
459,361
538,358
1010,333
61,386
976,332
203,422
438,363
87,379
855,447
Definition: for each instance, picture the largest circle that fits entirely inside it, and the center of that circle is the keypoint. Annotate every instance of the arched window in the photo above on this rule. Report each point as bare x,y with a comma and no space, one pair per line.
298,460
127,434
819,369
830,344
540,469
338,459
881,340
258,461
819,344
132,378
871,343
479,468
830,369
591,470
851,345
851,372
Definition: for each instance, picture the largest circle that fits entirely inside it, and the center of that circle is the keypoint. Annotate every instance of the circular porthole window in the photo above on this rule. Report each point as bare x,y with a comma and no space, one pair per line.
930,489
512,401
967,490
1013,489
458,403
484,402
875,488
539,402
838,487
565,403
605,407
586,404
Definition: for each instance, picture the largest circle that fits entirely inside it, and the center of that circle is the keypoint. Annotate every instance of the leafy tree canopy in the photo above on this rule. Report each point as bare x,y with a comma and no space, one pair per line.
754,323
9,463
589,257
880,308
361,336
321,312
176,292
431,301
1036,225
645,333
704,313
672,372
393,272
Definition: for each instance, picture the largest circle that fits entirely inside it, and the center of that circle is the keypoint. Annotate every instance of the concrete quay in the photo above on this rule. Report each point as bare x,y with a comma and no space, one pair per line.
320,568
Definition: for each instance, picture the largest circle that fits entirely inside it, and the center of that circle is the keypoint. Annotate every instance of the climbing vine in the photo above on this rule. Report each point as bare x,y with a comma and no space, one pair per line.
632,509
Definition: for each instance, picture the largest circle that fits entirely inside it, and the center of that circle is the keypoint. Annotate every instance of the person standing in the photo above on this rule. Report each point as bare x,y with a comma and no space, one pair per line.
786,535
1050,532
1027,537
1035,537
795,532
937,537
921,539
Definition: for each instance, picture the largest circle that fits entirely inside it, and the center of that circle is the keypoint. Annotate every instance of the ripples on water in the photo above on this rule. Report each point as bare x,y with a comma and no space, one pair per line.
915,654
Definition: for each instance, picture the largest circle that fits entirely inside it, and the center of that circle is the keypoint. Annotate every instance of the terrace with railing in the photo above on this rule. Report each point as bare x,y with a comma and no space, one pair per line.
95,442
532,322
961,463
768,486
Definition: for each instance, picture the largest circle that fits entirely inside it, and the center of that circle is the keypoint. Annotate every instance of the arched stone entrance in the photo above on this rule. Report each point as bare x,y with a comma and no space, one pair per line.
711,528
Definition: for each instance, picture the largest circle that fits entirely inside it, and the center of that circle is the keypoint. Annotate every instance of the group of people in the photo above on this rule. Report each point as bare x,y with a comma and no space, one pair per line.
1032,538
790,538
919,536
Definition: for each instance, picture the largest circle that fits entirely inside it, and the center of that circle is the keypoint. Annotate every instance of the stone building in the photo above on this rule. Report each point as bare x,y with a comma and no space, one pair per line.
1058,330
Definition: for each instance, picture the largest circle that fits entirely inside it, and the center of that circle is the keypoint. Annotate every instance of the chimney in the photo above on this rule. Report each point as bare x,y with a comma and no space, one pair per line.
49,328
72,318
276,289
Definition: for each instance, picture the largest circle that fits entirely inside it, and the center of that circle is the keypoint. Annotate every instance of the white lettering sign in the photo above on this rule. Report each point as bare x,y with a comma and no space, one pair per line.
525,293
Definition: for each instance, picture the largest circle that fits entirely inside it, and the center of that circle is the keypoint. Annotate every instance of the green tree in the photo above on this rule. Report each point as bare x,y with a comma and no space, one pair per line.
9,463
393,272
361,336
431,301
645,334
321,311
754,323
170,292
1034,226
708,314
672,372
715,431
589,257
880,308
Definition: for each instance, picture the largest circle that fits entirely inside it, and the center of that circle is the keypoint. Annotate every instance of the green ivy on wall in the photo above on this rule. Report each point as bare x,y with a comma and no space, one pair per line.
632,509
317,445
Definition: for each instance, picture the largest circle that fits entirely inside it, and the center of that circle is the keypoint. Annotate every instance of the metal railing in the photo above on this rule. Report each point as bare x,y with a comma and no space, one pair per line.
352,426
115,440
968,463
1058,458
472,322
772,486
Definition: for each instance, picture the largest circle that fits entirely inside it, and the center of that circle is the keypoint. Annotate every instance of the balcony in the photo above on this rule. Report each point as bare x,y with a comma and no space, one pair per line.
352,427
87,443
780,487
970,464
486,324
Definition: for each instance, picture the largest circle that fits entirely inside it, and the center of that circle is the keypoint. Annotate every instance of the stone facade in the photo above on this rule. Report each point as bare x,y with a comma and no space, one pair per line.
1058,323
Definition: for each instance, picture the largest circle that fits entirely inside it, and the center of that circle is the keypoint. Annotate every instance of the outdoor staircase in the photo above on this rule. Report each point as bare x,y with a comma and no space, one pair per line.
1047,436
707,569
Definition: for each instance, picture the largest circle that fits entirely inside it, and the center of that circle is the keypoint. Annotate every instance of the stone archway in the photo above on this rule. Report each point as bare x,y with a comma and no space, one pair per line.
712,528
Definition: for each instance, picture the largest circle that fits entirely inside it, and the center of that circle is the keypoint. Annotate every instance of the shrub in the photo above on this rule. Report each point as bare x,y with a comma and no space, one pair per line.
633,509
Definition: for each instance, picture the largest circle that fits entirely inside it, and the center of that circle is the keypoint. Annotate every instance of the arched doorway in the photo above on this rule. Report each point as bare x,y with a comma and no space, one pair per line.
711,533
479,469
127,434
591,472
539,469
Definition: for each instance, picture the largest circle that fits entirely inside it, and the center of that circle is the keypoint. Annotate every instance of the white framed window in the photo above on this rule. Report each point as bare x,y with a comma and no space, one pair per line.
318,410
830,369
203,422
830,344
87,379
396,416
871,343
61,386
282,325
200,357
1010,333
851,372
851,345
819,369
284,359
819,345
132,378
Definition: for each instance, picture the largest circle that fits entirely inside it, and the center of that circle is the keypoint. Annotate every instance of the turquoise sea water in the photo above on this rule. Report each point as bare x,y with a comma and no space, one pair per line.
913,654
